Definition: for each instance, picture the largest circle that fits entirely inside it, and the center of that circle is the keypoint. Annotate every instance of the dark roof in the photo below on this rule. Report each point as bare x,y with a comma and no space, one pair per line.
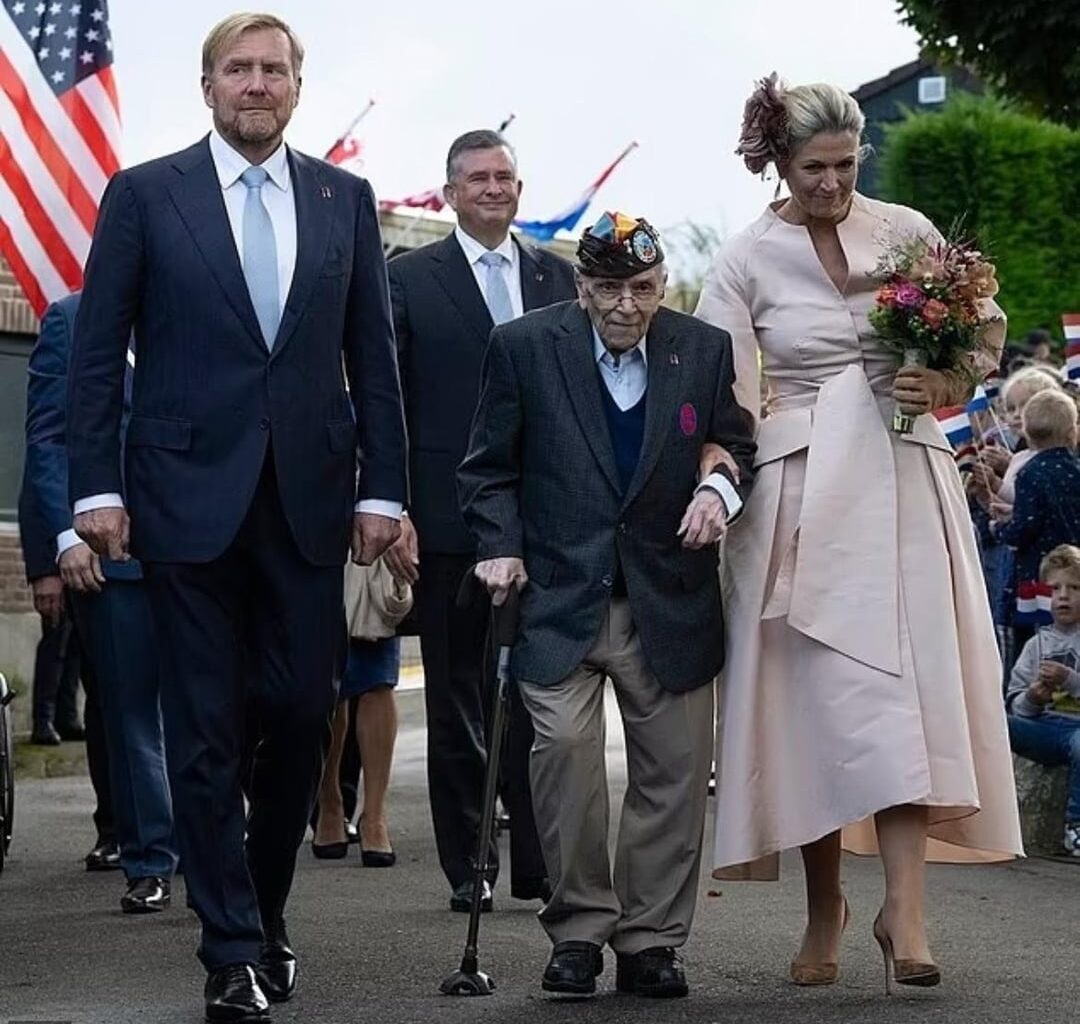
893,78
961,77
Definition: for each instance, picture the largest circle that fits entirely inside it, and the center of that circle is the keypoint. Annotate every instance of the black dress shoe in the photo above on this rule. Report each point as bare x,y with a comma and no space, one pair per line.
461,900
276,971
656,972
234,997
104,857
146,895
531,889
329,851
72,732
352,833
45,736
573,968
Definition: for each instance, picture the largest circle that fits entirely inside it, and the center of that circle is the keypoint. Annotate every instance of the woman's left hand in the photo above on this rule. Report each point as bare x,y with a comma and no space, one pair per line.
918,390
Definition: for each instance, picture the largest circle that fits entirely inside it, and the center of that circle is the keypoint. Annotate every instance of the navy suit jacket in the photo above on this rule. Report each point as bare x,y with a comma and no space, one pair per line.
442,326
207,395
39,550
46,471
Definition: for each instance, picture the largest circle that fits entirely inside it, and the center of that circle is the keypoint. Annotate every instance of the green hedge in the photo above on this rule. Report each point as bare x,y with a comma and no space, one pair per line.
1015,180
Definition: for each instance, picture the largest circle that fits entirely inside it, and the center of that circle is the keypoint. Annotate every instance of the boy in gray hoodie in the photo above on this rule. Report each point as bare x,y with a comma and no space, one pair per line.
1043,699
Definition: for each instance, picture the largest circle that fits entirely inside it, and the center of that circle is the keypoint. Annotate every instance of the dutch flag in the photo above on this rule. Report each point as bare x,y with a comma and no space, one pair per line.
1070,323
955,423
980,401
1033,604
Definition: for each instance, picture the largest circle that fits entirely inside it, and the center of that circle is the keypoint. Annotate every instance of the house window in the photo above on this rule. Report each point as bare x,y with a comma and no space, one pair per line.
932,89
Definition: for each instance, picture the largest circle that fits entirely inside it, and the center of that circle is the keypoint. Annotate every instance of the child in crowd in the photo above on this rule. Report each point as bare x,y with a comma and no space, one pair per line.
1043,699
1046,511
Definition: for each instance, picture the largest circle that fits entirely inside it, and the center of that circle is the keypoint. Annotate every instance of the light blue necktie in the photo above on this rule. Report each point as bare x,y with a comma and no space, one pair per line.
498,295
260,255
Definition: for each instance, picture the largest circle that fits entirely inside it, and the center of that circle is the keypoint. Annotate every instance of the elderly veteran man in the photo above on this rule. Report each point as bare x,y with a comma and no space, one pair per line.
580,484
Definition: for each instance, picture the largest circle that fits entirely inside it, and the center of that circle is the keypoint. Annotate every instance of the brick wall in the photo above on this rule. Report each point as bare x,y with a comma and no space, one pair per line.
16,316
14,593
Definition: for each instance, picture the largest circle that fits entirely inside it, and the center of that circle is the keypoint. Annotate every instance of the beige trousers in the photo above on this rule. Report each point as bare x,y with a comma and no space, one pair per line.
669,738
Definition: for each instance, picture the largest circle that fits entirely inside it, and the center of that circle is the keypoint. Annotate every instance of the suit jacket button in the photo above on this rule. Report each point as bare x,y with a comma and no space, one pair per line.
608,581
264,423
623,528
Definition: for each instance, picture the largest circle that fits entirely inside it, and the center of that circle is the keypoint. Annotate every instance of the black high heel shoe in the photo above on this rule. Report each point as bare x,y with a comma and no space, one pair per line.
329,851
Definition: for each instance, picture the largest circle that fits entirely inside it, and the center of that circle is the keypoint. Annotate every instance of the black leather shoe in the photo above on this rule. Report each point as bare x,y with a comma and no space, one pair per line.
531,889
573,968
233,996
461,900
276,971
352,833
104,857
146,895
45,736
656,972
72,733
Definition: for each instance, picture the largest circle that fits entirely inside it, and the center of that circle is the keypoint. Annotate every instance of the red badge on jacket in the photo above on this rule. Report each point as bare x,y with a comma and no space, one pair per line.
688,420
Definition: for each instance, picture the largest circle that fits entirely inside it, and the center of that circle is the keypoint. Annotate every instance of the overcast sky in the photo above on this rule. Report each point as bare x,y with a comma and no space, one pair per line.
584,77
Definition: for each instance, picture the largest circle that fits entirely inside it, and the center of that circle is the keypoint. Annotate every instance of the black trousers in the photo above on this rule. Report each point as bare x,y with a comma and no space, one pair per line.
256,628
97,751
56,676
456,651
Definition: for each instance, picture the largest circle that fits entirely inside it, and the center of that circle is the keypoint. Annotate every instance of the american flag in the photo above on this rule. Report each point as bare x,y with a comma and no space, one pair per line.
59,139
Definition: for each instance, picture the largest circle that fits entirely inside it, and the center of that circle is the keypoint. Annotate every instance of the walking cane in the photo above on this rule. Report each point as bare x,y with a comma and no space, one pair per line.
468,979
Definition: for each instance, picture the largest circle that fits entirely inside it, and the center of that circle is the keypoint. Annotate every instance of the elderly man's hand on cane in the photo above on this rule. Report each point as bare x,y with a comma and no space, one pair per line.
499,575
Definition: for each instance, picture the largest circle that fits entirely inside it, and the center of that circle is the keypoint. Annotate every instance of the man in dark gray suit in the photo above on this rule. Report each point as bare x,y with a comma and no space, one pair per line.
446,298
581,481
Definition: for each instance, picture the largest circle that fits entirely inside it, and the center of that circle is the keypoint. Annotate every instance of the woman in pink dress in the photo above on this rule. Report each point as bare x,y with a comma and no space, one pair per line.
860,704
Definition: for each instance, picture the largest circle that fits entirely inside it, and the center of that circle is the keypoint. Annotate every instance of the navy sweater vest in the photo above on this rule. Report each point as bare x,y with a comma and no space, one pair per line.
627,429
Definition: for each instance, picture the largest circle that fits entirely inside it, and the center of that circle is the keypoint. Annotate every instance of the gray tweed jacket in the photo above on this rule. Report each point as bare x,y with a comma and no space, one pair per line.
539,482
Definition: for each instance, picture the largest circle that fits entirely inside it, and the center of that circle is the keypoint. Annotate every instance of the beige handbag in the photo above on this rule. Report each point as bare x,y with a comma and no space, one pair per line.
374,601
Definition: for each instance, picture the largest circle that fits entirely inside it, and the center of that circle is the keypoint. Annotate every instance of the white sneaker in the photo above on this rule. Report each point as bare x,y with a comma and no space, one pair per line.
1072,839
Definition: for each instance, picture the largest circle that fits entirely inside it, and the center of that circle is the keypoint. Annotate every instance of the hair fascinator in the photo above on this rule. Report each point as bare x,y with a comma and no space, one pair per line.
763,139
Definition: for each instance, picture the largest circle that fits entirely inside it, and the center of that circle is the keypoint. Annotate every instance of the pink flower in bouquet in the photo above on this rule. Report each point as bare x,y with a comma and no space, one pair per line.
886,296
935,313
909,297
929,268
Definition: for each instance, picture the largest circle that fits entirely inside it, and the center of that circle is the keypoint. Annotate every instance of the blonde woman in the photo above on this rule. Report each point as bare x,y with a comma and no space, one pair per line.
860,702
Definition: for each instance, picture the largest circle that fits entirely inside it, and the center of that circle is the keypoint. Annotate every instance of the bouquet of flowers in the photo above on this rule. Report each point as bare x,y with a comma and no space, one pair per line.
928,304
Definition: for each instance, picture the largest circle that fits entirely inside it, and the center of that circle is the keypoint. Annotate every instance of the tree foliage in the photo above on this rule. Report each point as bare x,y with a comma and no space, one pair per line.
1015,182
1028,49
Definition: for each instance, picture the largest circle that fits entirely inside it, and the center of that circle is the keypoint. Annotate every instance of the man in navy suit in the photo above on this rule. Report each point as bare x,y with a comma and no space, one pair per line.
254,280
113,621
446,297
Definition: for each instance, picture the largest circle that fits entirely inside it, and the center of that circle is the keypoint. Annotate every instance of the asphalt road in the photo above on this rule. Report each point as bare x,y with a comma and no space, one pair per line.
374,944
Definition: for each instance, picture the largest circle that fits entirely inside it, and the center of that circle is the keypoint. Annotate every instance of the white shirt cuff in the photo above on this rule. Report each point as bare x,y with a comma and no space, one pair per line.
728,495
377,507
96,501
67,539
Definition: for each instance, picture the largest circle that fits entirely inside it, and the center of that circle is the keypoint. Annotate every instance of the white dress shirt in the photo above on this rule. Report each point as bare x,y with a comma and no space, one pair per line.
280,203
626,377
511,266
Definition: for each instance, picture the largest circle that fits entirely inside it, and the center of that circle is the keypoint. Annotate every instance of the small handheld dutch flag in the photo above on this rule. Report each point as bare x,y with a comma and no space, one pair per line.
956,424
980,401
1033,604
1070,323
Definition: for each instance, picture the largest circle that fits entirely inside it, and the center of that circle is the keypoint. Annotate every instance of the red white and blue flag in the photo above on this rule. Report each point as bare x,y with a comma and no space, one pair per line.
1033,603
348,151
1070,323
956,423
59,139
545,230
431,199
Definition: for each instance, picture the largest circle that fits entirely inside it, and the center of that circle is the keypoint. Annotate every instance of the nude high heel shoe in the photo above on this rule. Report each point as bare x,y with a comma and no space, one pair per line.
924,974
820,974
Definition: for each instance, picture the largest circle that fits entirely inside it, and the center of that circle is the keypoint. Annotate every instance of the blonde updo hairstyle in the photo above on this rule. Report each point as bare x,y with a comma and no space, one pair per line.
778,120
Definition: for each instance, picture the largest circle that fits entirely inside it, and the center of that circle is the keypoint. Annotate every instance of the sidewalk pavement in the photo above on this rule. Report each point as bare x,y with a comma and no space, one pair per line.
374,944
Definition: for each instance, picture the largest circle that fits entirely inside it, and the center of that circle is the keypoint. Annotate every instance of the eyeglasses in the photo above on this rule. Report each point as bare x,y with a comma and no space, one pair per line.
641,292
